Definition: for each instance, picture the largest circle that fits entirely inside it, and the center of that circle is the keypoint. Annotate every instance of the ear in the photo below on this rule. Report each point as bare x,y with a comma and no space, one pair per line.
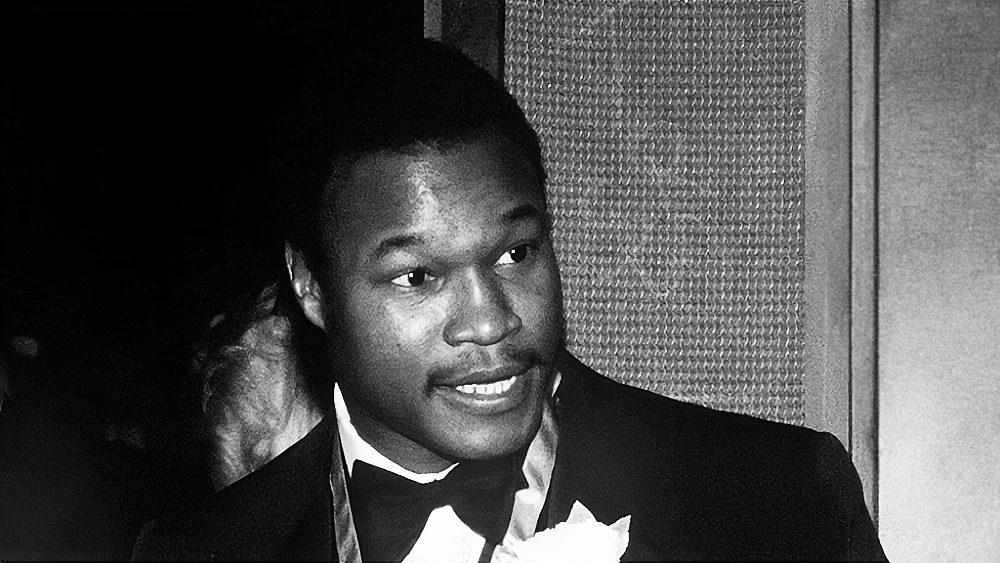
305,287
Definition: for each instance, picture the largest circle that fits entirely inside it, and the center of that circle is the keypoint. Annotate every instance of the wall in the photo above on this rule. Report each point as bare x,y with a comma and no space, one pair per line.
939,307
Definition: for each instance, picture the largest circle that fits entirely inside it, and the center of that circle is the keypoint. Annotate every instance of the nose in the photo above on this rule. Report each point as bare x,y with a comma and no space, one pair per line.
482,314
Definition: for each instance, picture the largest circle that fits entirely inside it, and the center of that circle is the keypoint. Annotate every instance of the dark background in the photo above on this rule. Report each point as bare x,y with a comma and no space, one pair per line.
129,131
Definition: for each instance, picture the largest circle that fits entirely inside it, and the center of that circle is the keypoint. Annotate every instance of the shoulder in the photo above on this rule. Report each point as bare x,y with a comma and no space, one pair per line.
614,408
731,485
254,517
654,432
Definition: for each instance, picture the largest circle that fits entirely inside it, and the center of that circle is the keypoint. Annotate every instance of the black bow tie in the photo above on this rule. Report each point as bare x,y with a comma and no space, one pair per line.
390,511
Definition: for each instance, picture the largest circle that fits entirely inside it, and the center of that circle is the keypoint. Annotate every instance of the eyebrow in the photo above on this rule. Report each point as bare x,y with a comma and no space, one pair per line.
395,243
525,211
529,211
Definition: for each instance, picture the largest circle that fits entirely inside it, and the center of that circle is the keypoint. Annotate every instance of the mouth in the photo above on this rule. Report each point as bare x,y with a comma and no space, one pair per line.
495,388
490,392
483,380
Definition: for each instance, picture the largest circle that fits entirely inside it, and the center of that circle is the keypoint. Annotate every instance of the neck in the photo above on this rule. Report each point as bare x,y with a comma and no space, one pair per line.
403,451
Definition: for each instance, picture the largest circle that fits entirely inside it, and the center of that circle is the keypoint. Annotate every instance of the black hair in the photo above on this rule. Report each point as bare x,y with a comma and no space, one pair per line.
417,93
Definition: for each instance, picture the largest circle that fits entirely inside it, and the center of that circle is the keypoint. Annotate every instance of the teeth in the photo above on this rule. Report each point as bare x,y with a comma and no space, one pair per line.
495,388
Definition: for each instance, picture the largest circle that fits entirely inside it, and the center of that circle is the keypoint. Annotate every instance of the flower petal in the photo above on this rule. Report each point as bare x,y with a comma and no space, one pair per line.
580,513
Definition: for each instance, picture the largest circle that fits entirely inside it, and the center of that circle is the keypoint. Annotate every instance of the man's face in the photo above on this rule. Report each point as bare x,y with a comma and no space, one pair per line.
444,299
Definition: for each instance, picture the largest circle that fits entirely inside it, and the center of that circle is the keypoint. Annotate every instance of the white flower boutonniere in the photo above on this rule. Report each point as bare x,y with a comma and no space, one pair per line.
580,539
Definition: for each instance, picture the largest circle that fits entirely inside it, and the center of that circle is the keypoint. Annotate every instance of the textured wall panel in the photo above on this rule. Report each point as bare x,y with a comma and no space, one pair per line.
674,134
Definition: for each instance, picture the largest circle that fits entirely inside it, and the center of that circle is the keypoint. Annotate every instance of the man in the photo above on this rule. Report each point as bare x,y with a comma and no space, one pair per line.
419,243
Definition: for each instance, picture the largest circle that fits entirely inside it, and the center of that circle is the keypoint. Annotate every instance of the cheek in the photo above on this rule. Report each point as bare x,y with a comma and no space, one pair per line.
395,327
413,324
540,306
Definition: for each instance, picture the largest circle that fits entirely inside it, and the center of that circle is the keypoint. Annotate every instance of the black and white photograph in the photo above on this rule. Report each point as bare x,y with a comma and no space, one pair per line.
500,280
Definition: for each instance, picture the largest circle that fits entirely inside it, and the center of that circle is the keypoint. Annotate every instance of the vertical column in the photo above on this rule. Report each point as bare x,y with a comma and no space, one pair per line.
864,244
828,218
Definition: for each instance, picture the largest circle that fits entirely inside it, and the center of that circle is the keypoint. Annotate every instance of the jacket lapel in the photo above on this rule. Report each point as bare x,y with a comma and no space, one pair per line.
572,477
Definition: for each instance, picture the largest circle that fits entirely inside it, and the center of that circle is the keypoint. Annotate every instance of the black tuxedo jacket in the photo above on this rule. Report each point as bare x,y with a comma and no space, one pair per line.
698,483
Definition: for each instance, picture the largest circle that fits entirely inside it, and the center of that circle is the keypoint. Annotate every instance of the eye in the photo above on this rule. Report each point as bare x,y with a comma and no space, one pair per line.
413,278
517,254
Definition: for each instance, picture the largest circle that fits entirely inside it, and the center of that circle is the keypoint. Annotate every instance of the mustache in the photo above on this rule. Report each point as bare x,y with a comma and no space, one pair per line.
524,359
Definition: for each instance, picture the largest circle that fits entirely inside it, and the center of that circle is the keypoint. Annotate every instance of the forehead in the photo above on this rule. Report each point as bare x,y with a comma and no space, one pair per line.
425,189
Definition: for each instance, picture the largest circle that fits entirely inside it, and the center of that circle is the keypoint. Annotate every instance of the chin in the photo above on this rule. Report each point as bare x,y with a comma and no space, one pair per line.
497,442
